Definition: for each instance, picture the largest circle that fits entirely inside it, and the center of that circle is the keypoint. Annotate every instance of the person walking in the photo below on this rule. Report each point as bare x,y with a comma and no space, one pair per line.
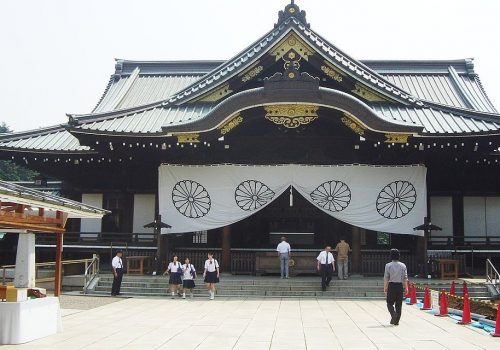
284,252
189,275
326,266
211,275
117,266
395,284
343,249
174,269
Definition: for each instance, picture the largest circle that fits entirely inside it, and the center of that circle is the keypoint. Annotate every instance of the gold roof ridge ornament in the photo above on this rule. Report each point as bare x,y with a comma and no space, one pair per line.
230,124
291,116
353,124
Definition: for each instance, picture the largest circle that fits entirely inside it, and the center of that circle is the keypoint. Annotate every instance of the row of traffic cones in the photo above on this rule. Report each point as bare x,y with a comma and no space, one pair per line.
465,288
466,314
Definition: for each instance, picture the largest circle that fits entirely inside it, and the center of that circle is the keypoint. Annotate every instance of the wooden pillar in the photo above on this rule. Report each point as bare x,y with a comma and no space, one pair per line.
58,272
356,249
59,249
226,248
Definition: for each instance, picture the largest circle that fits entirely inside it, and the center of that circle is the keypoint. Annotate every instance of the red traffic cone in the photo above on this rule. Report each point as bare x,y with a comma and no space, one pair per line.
465,289
452,288
497,325
443,305
427,300
466,319
413,296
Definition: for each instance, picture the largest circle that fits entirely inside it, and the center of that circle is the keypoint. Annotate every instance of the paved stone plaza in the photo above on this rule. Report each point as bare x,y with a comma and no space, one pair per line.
252,324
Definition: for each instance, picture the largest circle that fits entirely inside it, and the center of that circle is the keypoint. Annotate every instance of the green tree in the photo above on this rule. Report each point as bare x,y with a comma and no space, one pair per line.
9,171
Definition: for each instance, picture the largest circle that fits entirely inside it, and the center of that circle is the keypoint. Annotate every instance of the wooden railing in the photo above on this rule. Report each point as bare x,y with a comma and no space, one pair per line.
464,242
243,260
104,239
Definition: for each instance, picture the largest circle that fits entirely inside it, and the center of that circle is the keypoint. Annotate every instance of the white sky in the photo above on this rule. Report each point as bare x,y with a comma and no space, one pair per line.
57,55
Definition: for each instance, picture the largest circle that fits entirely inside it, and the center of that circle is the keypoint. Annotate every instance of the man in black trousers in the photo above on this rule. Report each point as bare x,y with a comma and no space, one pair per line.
395,284
117,266
326,266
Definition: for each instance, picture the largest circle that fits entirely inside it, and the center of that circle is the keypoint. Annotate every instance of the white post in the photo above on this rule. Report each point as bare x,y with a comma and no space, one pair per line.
24,276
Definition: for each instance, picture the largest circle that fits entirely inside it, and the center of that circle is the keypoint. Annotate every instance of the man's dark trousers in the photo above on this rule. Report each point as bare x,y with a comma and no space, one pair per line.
395,299
326,275
117,282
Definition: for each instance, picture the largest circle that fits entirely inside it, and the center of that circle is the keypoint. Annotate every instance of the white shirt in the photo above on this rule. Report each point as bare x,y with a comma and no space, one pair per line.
322,258
211,267
174,267
187,271
117,263
283,248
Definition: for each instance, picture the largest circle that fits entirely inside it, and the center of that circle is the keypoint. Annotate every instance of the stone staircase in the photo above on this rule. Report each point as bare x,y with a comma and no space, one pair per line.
257,287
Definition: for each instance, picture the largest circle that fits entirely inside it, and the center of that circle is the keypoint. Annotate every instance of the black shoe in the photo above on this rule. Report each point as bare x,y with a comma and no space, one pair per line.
113,295
396,323
392,321
323,289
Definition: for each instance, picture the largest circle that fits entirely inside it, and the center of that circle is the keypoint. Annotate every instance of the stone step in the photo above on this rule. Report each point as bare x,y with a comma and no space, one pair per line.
222,293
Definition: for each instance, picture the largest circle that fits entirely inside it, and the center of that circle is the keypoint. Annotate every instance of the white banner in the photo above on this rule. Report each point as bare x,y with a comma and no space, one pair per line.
381,198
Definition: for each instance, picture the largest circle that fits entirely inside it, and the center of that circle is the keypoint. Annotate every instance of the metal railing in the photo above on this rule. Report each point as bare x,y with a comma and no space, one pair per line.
47,266
492,275
91,272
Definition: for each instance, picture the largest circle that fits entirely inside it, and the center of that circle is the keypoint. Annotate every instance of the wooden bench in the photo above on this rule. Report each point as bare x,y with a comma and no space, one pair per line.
135,264
448,268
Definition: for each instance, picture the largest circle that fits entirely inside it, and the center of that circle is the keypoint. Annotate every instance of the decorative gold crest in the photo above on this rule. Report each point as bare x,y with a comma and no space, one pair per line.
187,138
292,41
396,138
230,124
217,94
291,116
352,124
367,94
332,71
251,73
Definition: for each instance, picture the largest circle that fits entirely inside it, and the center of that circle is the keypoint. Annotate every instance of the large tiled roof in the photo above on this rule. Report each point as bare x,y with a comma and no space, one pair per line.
444,97
54,139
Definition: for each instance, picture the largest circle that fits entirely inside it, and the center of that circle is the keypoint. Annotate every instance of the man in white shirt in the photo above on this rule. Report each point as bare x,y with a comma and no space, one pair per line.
117,266
326,266
284,253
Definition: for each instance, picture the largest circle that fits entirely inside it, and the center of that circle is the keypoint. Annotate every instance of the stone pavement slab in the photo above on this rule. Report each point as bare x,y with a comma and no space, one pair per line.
253,324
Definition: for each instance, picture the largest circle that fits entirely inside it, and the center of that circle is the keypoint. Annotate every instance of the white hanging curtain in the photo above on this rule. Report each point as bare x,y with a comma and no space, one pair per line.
381,198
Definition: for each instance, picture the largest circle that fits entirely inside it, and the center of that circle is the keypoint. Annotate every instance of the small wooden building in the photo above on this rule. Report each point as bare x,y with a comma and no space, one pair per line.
290,97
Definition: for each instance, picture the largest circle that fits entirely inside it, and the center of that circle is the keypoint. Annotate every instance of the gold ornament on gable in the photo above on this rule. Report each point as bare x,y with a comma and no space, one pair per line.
289,43
291,116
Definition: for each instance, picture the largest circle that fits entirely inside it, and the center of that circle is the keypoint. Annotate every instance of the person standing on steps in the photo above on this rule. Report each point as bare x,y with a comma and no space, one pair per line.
189,275
175,270
211,275
342,250
284,252
395,284
117,266
326,267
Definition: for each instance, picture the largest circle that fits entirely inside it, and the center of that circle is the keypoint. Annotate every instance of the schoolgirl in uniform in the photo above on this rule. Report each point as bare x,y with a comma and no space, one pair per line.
175,270
211,274
189,275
